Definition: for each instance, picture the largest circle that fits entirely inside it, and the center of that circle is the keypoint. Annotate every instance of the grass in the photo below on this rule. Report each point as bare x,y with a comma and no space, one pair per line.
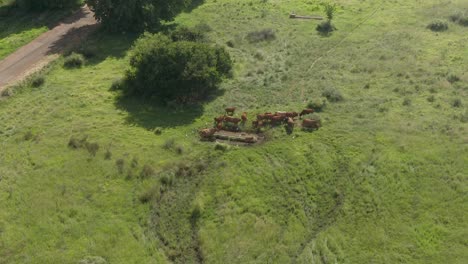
18,28
380,182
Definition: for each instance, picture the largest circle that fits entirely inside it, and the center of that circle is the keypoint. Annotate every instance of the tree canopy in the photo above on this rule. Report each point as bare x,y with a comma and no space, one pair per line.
184,71
135,14
46,4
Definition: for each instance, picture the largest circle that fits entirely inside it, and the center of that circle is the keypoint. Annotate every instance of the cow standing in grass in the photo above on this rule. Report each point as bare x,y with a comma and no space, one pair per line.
306,112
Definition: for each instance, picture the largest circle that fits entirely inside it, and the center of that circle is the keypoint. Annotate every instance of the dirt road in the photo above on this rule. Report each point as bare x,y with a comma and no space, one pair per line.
46,47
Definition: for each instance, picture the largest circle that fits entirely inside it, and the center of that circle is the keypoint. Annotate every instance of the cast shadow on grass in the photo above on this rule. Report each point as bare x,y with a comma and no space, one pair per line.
14,20
151,113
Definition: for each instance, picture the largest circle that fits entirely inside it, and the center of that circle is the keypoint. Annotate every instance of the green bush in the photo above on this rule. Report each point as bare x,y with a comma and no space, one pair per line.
175,71
37,81
460,17
333,95
262,35
438,26
452,78
457,102
326,27
118,15
74,60
188,34
317,104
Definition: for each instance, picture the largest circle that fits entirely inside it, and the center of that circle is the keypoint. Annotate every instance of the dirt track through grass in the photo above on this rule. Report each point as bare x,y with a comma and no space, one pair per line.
43,49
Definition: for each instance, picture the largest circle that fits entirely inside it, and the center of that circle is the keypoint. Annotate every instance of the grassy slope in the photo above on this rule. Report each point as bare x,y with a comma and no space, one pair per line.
380,182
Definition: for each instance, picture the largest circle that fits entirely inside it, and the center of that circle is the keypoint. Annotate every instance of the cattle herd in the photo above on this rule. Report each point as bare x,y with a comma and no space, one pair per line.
230,123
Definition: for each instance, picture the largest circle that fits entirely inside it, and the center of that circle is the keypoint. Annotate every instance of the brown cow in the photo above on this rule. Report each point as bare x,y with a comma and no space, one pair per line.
257,123
310,123
244,117
219,126
219,119
207,132
230,110
269,116
279,113
233,120
290,122
306,112
292,114
277,119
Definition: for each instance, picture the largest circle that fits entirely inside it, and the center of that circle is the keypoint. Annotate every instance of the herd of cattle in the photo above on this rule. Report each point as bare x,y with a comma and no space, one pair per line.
229,122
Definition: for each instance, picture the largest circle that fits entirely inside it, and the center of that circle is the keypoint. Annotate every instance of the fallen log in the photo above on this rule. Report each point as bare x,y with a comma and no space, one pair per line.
292,15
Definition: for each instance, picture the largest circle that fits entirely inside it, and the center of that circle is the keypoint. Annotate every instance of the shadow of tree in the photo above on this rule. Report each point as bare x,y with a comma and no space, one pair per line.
151,115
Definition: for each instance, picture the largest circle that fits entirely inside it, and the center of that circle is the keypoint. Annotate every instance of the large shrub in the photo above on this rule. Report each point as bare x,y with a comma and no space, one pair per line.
46,4
183,71
136,14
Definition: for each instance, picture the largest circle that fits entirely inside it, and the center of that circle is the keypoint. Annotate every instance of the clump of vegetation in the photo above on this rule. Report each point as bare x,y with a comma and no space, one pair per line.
452,78
407,102
37,81
7,92
175,71
147,171
169,143
457,102
120,164
431,98
179,150
221,147
93,260
108,154
46,4
76,143
327,27
318,104
460,17
158,131
184,33
118,15
262,35
28,136
117,84
333,95
149,194
438,26
92,148
74,60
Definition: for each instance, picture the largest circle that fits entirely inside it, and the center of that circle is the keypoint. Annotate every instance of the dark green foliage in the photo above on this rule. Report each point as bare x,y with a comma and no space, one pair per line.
120,163
183,33
147,171
262,35
46,4
175,71
326,27
37,81
333,95
317,104
407,102
92,148
74,60
135,15
169,143
330,10
452,78
438,26
457,102
108,155
460,17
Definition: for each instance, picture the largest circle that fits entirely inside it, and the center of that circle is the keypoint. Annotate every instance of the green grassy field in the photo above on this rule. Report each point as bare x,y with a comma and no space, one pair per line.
383,181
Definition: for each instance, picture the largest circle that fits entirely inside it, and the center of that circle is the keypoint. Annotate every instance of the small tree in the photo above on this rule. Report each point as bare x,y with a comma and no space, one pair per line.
182,71
330,10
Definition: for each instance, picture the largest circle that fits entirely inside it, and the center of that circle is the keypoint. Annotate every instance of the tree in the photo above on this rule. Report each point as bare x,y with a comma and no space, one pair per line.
326,27
183,71
135,15
330,10
46,4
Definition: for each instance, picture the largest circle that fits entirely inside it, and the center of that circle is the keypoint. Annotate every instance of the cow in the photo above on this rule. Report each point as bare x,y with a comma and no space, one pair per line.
219,119
310,123
269,116
219,126
207,132
277,119
233,120
280,113
290,122
230,110
306,112
292,114
244,117
257,123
